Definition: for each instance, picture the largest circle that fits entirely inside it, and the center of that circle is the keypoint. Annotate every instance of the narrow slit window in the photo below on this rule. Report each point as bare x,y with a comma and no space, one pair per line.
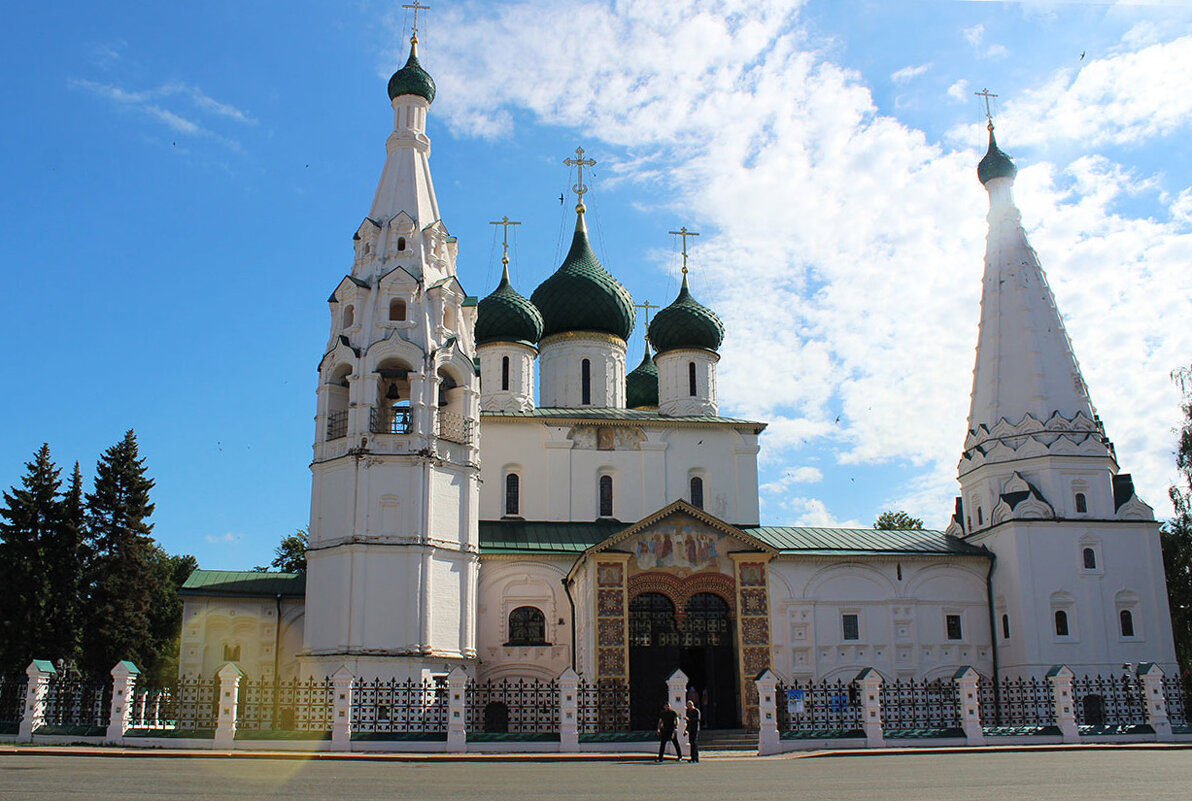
1061,623
1090,559
401,243
1127,619
697,492
606,496
505,373
512,494
585,377
691,378
851,626
1005,627
1082,505
980,517
349,316
952,624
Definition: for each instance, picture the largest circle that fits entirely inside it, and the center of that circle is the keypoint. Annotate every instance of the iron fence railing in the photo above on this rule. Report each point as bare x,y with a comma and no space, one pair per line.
394,420
296,704
395,706
1173,692
920,704
187,704
508,706
602,707
12,701
73,702
1108,700
1017,702
819,706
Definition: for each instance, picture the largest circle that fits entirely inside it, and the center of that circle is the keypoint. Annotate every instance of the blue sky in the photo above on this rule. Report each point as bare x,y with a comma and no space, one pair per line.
181,183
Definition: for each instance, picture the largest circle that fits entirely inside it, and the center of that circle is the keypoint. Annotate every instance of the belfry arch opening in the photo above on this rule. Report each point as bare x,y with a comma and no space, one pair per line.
391,413
699,639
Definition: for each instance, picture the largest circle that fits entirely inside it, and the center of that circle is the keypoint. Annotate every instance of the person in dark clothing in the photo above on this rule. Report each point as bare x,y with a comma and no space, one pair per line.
693,722
668,722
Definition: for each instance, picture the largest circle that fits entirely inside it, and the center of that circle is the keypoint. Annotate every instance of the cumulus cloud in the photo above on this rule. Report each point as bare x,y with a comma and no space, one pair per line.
909,72
842,239
793,476
959,91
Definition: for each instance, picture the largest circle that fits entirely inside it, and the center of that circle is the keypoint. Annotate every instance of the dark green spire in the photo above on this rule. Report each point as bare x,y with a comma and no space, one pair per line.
582,295
996,164
412,79
686,323
506,316
641,385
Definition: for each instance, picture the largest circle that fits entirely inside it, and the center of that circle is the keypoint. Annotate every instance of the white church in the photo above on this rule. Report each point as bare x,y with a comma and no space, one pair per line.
493,489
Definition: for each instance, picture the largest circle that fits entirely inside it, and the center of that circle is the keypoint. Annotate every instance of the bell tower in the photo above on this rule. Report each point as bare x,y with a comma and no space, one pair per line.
393,556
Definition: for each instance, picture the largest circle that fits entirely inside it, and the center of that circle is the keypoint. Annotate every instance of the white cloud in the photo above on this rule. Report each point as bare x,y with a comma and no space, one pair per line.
959,91
975,36
792,476
226,537
909,72
149,101
842,249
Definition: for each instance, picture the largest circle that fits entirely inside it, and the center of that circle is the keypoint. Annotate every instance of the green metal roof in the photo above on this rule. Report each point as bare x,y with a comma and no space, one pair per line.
625,415
506,316
641,385
996,164
686,323
246,583
536,536
412,79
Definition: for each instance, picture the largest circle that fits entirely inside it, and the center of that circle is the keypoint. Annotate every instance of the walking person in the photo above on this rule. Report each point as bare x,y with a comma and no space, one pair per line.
668,722
693,726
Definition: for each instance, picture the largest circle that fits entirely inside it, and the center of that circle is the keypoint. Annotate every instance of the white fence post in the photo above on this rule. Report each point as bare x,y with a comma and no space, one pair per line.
767,706
568,710
871,707
970,705
457,710
229,697
39,672
1155,701
676,697
341,709
1060,677
124,681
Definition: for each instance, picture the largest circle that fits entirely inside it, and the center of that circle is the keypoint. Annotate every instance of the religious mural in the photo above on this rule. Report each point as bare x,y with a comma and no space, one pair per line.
681,545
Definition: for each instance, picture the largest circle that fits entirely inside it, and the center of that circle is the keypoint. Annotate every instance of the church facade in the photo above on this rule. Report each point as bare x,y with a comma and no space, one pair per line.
494,489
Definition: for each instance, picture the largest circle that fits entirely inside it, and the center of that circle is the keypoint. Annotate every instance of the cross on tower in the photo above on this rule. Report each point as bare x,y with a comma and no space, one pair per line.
683,232
646,306
417,7
506,222
579,189
985,93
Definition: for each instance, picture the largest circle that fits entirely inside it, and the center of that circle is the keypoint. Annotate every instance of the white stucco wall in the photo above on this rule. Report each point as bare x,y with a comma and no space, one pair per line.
209,623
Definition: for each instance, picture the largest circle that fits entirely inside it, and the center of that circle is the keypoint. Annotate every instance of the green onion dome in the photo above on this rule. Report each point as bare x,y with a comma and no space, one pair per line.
686,323
582,295
506,316
641,385
996,164
412,79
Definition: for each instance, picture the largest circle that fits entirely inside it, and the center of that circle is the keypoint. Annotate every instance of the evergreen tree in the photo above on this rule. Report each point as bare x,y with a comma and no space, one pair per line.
28,523
123,579
64,558
1176,538
899,520
290,554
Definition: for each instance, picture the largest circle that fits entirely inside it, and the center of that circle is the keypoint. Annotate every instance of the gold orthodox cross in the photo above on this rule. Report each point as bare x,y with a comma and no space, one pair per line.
579,189
417,7
646,305
505,222
985,93
683,232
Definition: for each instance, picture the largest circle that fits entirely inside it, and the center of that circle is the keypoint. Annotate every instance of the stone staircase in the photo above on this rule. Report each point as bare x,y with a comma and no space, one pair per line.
727,740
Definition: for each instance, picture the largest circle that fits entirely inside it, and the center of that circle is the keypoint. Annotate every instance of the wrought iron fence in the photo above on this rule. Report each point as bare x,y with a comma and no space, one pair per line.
1173,692
453,427
602,707
1108,700
819,706
189,704
394,420
296,704
399,707
521,706
12,702
1017,702
920,704
337,425
72,702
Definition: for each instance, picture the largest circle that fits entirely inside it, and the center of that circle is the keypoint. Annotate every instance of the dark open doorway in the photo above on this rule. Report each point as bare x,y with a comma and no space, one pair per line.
700,642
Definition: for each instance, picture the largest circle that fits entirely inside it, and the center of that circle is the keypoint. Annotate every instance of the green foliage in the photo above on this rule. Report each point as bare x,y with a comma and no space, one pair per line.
1176,536
65,560
290,555
894,521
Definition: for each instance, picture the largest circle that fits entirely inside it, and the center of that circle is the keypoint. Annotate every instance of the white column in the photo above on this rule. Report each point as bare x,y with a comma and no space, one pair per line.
39,673
1151,676
341,709
457,701
229,696
568,710
1060,677
124,680
768,738
676,697
870,682
969,701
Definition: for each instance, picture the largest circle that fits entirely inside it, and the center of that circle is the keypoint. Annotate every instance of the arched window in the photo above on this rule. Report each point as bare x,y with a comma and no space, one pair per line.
1090,559
401,243
1061,623
1005,627
1127,620
691,378
505,373
527,626
697,492
349,316
606,496
980,517
1082,505
512,494
585,378
232,653
397,310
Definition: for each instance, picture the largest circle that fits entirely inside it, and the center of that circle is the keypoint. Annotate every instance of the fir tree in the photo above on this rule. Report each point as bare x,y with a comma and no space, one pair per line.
64,556
897,521
28,522
123,579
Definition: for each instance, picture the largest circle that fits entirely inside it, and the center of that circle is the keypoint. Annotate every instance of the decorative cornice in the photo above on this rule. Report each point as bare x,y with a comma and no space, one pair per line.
582,336
1079,435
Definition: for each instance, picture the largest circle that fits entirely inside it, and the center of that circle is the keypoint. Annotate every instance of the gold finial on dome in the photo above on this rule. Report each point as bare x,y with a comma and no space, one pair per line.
416,6
683,232
579,189
985,93
506,222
